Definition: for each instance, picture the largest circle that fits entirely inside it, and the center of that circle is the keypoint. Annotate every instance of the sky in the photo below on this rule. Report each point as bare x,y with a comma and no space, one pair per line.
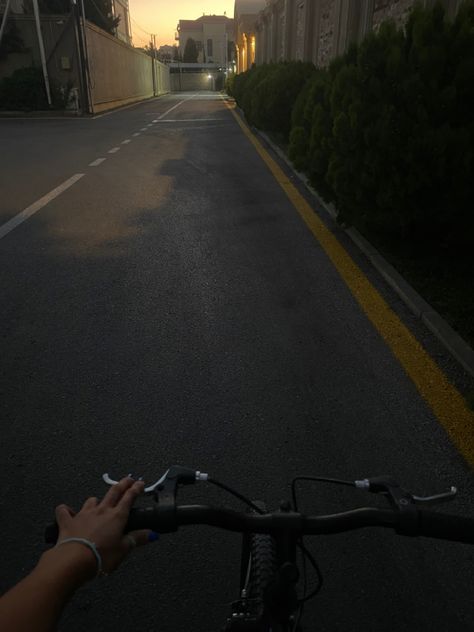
162,16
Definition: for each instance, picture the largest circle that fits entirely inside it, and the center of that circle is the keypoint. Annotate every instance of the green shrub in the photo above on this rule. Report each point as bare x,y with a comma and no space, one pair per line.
387,131
392,135
267,94
229,85
24,90
307,148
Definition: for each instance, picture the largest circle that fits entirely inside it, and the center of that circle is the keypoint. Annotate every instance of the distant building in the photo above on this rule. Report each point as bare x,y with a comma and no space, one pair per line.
212,34
245,18
121,10
166,53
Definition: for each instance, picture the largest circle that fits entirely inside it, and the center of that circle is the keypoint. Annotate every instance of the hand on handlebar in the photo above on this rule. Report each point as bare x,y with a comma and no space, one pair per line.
103,523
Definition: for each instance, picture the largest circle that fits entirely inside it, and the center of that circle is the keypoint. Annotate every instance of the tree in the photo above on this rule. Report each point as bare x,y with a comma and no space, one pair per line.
100,12
12,41
190,52
176,55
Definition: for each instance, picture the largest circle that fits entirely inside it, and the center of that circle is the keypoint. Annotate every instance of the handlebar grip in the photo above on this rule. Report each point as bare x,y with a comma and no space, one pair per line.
445,526
138,519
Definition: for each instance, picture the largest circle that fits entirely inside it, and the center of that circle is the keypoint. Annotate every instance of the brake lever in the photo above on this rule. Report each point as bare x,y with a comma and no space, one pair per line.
183,475
404,501
436,498
148,490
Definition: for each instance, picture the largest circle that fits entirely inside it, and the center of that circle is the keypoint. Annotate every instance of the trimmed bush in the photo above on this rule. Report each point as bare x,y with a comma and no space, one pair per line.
267,94
387,131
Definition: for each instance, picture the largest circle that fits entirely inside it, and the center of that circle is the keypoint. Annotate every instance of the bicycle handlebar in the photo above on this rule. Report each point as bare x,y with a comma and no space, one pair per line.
429,523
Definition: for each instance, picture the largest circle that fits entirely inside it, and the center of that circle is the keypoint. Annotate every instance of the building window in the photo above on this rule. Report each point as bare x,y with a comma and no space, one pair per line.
209,48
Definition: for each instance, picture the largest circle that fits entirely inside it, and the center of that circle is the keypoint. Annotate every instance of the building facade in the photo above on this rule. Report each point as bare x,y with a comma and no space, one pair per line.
320,30
245,18
121,10
212,34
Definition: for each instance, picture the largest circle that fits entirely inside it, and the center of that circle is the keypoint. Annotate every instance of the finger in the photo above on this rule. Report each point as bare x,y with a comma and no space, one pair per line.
129,497
90,503
63,515
72,512
116,492
140,538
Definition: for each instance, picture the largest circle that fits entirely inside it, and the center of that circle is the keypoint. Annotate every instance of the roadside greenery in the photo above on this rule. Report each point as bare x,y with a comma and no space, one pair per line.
191,53
386,133
24,90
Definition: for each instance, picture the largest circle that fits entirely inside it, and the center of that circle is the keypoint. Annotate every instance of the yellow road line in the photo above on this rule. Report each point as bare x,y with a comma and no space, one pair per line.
442,397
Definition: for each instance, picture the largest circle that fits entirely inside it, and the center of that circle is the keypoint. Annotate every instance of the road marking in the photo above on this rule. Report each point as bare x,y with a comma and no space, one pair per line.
97,162
114,150
175,106
442,397
125,142
136,134
143,129
150,125
38,205
197,120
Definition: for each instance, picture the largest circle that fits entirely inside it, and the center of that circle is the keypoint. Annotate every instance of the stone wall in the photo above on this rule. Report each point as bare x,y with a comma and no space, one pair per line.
119,73
319,30
326,31
397,10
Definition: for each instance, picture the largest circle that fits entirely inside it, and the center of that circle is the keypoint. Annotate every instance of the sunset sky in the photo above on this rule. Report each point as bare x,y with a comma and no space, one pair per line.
162,16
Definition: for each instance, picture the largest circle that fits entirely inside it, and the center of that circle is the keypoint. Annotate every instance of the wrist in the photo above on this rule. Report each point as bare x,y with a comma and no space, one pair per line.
69,565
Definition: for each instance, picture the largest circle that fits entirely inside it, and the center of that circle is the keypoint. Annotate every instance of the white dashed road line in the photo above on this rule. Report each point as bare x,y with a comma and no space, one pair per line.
125,142
196,120
114,150
143,129
175,106
97,162
38,205
136,134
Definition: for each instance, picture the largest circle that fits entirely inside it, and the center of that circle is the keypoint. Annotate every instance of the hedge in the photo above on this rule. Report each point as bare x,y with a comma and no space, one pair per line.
387,131
267,93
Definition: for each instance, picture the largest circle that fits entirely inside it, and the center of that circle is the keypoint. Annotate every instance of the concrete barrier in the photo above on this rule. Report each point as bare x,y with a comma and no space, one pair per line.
119,74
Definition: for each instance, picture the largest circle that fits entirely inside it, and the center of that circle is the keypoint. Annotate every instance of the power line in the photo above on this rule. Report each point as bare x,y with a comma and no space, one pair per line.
139,27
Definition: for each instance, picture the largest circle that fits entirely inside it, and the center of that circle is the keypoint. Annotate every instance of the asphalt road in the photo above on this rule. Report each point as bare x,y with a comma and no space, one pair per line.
171,307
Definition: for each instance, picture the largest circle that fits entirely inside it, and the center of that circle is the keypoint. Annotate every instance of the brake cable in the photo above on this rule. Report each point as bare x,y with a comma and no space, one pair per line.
235,493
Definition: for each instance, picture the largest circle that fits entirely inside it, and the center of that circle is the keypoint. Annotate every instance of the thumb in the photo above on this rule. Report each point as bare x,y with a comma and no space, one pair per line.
141,537
64,515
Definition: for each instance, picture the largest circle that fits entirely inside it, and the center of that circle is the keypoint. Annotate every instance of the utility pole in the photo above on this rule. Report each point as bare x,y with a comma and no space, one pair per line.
86,58
42,53
226,57
83,77
4,21
153,62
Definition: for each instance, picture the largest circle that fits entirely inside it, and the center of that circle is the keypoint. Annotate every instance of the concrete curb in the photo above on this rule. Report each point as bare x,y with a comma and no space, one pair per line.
451,340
